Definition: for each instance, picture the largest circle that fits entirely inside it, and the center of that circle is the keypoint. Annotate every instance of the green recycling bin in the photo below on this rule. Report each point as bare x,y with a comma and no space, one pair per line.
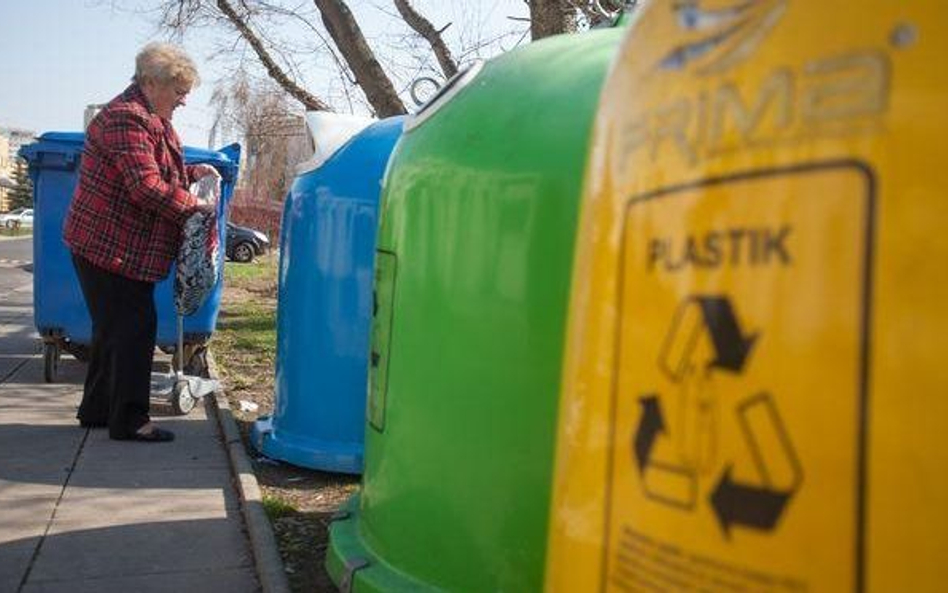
472,274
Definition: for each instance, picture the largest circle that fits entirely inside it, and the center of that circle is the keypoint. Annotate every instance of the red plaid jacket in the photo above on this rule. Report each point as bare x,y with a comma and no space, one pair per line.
131,200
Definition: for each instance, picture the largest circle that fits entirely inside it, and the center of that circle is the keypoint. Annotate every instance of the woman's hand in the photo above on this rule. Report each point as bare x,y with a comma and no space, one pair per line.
203,170
205,206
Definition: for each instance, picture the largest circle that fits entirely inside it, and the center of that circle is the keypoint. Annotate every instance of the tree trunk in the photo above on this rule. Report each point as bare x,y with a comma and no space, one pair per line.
551,17
276,73
423,27
348,37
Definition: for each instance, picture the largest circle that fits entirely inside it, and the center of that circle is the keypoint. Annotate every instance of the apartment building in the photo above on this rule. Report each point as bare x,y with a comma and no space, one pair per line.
11,139
6,171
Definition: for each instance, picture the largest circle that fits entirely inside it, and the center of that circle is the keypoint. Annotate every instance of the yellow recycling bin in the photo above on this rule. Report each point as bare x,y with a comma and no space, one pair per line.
755,392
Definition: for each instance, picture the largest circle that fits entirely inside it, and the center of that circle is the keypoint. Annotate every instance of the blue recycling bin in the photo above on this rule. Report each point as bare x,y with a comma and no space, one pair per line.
327,251
59,309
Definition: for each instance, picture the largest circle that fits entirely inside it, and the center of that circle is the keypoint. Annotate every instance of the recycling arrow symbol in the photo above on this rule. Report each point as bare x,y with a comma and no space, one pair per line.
731,345
758,505
751,506
714,316
650,427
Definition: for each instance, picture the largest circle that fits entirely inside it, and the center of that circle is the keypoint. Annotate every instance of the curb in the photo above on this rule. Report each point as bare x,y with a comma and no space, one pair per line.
12,238
262,542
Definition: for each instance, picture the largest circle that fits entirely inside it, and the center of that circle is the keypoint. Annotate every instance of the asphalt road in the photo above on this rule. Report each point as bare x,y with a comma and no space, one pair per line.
16,259
20,249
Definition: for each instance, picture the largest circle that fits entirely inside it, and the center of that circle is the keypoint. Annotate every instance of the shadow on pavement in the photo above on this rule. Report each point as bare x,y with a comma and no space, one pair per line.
43,451
209,554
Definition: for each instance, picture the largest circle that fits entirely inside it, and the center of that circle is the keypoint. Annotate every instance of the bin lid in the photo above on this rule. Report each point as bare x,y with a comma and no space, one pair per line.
54,150
329,131
69,145
63,137
225,159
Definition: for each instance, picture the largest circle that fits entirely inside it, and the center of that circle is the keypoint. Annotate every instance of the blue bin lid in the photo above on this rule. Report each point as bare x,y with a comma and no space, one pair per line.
225,159
64,137
67,146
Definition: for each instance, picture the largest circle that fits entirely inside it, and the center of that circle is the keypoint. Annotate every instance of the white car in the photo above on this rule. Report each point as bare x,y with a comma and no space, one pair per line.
20,217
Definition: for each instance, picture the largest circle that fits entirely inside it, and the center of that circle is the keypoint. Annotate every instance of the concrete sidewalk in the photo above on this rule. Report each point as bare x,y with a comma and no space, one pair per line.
80,513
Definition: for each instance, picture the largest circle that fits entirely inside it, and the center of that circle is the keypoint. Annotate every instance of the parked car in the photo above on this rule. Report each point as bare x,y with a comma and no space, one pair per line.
20,217
244,244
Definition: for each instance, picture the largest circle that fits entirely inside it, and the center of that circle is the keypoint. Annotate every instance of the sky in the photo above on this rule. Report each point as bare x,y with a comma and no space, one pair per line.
60,55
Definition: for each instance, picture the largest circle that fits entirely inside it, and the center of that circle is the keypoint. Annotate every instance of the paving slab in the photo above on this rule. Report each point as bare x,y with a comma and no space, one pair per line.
236,580
37,445
39,413
13,393
30,375
23,519
198,494
10,363
82,513
186,453
15,560
27,483
73,551
10,335
17,309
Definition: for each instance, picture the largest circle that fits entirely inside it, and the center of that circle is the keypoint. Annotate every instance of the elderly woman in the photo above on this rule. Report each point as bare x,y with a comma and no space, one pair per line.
123,228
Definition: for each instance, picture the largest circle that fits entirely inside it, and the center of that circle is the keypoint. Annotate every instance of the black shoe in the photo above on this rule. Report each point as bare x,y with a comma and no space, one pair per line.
155,435
87,424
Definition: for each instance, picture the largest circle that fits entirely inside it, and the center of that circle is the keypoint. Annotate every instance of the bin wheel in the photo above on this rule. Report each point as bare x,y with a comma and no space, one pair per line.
195,361
80,352
51,355
182,401
196,357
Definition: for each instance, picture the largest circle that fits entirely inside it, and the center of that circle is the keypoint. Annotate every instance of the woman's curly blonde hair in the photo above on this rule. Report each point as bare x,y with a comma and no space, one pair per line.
164,63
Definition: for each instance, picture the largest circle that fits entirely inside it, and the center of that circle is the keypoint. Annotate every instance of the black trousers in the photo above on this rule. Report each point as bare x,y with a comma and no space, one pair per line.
124,326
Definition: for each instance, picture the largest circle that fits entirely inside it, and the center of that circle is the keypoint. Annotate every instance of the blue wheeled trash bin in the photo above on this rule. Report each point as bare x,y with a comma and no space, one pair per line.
59,309
327,253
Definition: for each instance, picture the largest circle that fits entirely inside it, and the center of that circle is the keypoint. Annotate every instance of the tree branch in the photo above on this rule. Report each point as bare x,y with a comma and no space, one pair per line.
374,82
311,102
423,27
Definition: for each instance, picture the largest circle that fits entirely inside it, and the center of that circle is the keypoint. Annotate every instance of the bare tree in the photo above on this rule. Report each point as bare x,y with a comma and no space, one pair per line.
555,17
276,73
272,131
273,29
552,17
289,41
433,36
259,23
595,13
348,36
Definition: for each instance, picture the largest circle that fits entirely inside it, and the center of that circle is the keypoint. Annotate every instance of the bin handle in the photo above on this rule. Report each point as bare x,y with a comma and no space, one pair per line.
66,162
